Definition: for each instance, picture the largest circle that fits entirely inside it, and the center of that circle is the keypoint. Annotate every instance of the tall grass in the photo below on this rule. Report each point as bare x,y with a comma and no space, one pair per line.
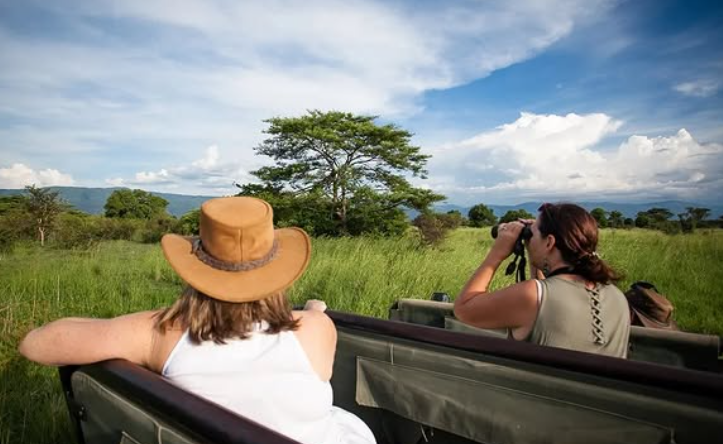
361,275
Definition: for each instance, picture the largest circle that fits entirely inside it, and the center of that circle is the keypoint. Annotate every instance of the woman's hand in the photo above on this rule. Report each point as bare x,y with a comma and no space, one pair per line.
315,304
507,235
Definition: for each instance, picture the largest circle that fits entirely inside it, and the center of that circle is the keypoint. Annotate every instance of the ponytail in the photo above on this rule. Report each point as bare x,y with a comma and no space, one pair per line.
595,270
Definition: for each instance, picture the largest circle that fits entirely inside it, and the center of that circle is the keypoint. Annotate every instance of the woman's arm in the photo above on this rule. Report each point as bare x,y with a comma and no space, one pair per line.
511,307
84,341
317,336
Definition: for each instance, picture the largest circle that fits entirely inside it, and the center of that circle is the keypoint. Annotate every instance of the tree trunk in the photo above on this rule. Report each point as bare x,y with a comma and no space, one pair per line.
342,210
41,230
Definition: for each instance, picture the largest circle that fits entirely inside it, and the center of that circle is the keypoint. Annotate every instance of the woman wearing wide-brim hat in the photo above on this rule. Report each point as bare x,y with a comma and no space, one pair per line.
232,336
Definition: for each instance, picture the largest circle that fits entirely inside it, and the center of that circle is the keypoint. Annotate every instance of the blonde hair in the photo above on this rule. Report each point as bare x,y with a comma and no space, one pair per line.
209,319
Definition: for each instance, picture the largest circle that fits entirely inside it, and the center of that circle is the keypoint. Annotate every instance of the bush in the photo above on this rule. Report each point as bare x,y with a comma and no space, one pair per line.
669,227
377,221
8,235
189,224
75,230
14,227
432,230
117,229
452,219
154,229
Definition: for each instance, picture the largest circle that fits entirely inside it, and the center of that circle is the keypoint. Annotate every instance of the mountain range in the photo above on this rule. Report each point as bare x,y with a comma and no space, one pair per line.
92,200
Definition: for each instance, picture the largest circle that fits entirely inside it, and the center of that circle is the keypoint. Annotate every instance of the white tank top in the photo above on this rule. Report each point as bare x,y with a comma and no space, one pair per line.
269,379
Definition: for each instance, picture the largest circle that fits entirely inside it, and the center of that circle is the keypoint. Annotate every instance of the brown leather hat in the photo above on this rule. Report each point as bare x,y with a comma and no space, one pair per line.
649,308
238,257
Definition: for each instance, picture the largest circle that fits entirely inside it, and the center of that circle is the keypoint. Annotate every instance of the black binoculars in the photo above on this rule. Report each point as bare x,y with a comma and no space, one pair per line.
525,234
518,251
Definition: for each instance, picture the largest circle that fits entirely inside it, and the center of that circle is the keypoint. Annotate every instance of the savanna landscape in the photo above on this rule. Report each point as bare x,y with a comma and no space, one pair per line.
396,134
362,275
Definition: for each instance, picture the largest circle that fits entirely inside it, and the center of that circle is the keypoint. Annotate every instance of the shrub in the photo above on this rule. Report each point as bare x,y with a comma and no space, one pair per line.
432,230
154,229
669,227
14,227
75,230
188,224
452,219
117,229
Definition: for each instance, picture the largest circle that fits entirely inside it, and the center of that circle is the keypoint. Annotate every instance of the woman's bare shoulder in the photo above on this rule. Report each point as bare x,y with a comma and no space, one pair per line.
313,319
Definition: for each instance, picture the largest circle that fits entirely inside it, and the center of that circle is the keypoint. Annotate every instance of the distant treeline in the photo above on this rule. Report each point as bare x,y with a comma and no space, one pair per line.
332,174
136,215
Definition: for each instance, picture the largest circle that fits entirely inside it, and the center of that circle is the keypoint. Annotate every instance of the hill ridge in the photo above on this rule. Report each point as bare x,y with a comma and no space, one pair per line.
92,199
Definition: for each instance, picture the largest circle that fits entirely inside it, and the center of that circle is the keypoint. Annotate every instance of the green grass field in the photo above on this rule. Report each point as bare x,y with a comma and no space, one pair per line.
360,275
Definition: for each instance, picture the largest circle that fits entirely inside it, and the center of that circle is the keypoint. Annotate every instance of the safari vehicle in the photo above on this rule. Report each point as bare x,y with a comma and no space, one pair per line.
416,383
676,348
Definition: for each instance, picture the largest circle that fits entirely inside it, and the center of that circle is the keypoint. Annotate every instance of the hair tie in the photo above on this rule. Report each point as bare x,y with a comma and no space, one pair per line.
588,257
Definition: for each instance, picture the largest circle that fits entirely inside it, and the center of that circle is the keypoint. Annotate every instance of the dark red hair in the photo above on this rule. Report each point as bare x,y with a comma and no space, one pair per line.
576,236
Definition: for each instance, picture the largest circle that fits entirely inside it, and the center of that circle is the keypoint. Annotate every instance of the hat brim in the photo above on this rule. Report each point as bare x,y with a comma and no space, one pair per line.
292,258
647,321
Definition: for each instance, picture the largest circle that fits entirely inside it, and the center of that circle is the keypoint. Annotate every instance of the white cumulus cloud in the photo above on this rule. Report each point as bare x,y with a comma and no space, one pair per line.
209,174
164,76
19,175
549,156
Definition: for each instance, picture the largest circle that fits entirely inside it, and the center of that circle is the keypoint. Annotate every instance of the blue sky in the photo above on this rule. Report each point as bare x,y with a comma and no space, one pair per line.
515,100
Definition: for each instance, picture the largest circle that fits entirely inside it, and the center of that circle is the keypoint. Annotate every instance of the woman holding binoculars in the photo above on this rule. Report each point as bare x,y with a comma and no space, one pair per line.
571,301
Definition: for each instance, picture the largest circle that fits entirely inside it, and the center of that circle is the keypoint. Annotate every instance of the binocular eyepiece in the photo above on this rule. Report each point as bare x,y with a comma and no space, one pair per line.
525,234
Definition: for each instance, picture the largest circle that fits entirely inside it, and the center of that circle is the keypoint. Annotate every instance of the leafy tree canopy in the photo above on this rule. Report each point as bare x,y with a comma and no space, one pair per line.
616,219
642,219
600,215
513,215
345,163
659,214
190,223
481,215
698,214
134,204
691,219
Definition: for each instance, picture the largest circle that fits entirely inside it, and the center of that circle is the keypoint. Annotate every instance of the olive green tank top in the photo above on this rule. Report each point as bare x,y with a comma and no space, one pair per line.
574,317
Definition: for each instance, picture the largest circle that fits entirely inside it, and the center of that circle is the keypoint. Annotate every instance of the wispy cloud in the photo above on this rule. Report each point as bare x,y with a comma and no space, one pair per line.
699,88
550,155
169,76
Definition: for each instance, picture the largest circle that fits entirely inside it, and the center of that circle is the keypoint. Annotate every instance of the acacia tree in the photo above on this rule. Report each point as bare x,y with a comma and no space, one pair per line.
697,214
337,155
43,205
659,215
692,217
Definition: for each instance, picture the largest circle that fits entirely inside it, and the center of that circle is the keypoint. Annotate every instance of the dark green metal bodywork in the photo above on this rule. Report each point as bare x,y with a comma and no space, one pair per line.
415,383
675,348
